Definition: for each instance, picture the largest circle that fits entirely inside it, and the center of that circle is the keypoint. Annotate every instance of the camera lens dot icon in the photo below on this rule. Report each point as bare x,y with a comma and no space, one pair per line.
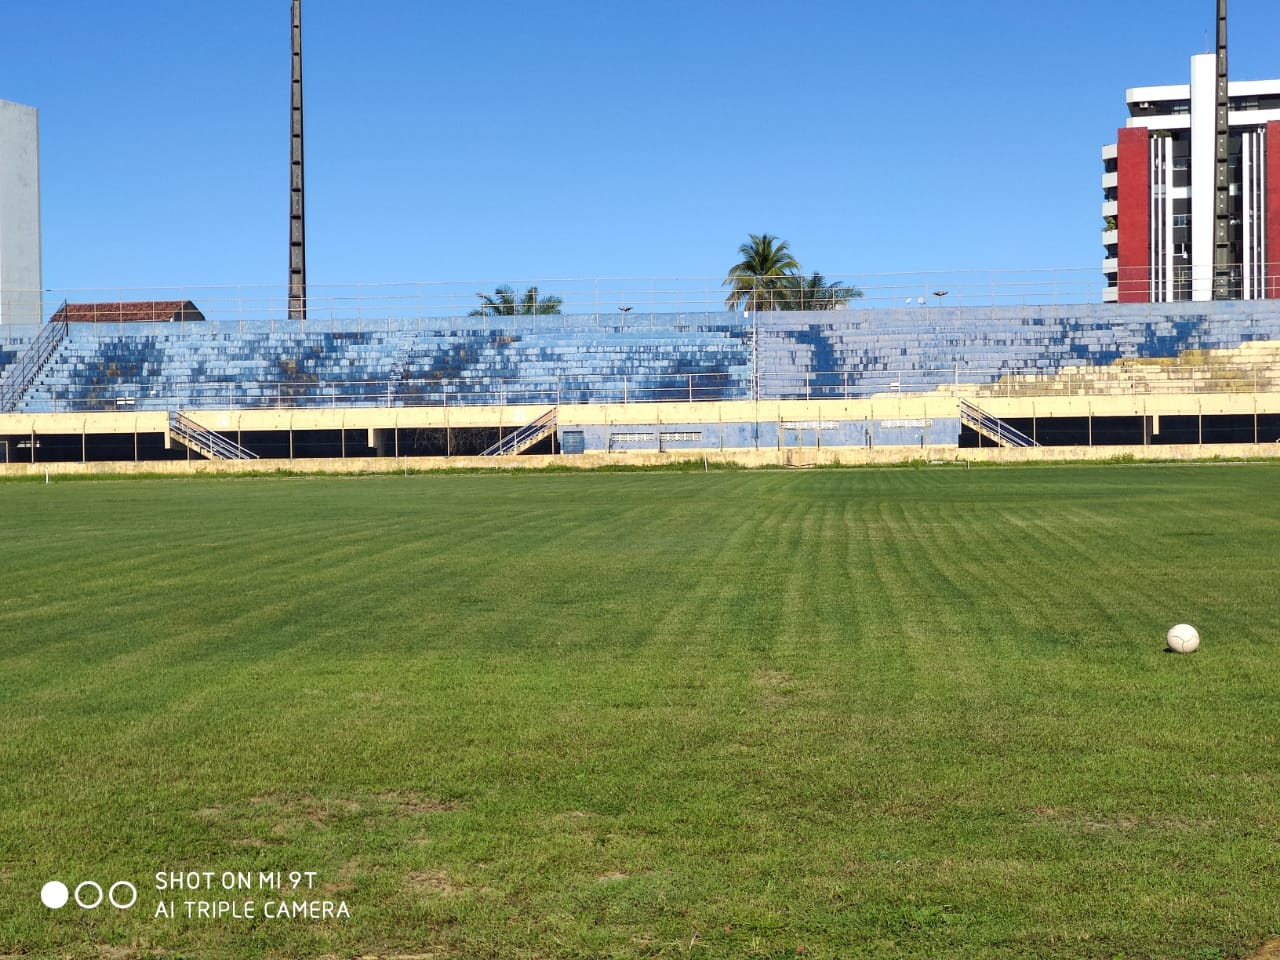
54,894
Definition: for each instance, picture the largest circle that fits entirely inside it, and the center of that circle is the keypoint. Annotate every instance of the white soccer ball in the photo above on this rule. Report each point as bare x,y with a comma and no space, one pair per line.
1183,638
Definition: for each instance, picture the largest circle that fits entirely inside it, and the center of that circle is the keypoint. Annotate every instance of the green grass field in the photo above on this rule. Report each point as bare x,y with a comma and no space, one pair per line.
840,713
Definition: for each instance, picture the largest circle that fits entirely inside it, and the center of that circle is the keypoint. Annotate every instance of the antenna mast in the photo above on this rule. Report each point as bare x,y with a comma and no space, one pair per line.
297,227
1223,265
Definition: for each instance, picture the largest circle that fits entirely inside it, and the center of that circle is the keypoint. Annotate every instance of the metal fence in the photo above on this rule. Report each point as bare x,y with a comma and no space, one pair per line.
611,300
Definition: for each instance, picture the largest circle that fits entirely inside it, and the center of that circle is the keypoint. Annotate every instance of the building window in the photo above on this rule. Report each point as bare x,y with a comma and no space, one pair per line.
1181,283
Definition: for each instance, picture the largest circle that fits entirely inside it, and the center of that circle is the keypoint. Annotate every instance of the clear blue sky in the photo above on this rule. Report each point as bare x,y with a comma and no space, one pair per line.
566,139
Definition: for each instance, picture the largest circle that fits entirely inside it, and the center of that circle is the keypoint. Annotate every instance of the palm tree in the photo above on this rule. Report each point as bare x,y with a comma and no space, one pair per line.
754,282
814,292
505,303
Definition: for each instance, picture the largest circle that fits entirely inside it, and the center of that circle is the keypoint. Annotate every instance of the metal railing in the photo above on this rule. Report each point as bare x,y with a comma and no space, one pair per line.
993,428
24,371
626,301
525,437
629,301
213,445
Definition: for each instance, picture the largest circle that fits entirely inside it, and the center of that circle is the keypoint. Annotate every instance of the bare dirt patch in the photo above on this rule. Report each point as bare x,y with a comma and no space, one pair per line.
412,803
1268,951
293,811
773,680
777,687
344,878
435,881
440,883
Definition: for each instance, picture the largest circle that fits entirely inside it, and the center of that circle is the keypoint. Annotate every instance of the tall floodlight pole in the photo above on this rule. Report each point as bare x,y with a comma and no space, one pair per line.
1223,267
297,227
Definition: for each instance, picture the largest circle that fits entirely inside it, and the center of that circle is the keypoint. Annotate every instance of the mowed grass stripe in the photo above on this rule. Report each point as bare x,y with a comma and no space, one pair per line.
866,713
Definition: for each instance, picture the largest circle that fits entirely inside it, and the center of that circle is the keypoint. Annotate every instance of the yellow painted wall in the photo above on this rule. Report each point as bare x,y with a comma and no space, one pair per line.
904,406
1129,406
885,406
72,423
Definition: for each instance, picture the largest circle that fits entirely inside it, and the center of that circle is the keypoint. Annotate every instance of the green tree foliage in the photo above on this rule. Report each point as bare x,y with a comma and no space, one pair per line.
754,280
505,302
814,292
768,278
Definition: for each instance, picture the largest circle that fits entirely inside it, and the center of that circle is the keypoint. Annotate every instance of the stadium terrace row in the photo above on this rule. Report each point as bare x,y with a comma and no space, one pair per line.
575,360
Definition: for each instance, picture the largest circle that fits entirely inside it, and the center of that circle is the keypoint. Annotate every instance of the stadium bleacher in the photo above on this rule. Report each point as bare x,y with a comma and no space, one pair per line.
579,359
9,352
862,353
155,367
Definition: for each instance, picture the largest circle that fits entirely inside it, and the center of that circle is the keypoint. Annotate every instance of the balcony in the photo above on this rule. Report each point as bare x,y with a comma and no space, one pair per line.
1110,238
1110,180
1111,208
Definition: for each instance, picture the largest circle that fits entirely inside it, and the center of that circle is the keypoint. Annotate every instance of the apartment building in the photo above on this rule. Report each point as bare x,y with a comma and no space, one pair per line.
1158,187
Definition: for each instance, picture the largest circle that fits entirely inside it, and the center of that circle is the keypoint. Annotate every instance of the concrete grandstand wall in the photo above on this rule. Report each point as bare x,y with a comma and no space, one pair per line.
588,359
638,386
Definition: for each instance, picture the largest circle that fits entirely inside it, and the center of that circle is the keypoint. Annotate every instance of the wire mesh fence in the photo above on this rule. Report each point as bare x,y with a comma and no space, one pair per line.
605,300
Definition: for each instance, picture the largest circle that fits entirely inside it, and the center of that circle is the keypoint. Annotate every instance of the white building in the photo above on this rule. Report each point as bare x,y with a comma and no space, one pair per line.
1158,191
20,277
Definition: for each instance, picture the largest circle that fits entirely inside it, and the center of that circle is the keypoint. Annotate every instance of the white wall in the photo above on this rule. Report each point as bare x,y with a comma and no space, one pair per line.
20,276
1204,102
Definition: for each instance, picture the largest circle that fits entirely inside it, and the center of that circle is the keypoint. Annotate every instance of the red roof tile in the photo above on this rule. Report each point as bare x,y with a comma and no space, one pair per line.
140,311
